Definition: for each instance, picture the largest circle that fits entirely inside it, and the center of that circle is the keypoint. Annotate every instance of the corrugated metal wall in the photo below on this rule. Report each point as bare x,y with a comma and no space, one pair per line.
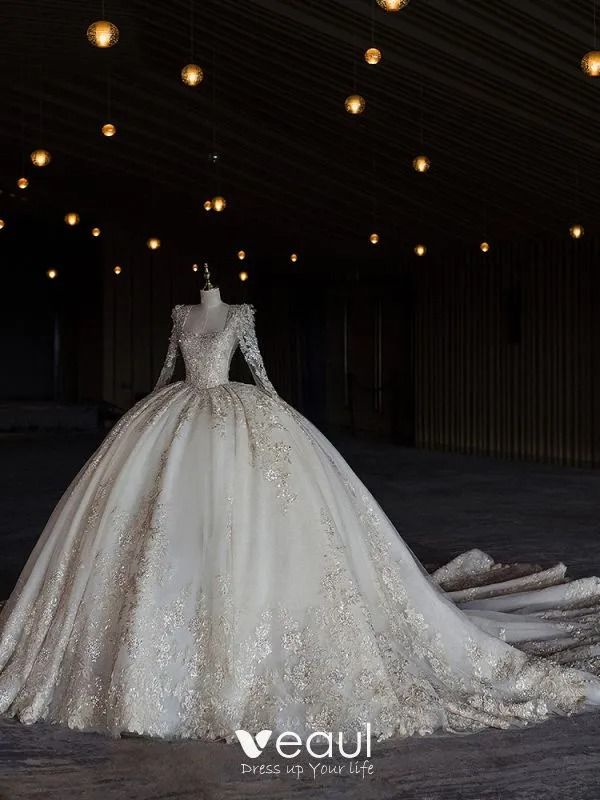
497,354
506,354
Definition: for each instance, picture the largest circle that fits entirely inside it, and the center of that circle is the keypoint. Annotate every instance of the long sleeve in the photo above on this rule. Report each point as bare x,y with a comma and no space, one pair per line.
166,372
250,350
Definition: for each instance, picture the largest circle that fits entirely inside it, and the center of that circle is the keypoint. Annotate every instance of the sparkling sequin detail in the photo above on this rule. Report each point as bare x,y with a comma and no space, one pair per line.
217,565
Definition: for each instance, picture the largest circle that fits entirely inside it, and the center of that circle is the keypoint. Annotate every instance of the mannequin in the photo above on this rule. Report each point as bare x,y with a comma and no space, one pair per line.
210,315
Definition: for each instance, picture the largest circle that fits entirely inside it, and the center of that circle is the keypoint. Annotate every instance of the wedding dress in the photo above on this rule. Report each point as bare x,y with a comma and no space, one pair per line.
217,565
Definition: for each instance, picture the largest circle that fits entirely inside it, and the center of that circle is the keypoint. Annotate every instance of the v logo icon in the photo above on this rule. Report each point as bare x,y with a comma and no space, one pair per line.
253,746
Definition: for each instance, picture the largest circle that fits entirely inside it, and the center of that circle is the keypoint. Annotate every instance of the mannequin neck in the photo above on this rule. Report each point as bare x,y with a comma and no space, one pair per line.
210,297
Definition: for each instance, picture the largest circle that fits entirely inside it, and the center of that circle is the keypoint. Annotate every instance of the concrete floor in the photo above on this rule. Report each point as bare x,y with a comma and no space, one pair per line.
442,505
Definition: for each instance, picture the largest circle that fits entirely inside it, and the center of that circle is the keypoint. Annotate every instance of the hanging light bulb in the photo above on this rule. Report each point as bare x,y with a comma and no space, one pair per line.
420,249
72,218
109,129
2,224
40,158
153,243
373,55
484,247
294,258
117,270
355,104
576,231
22,183
194,267
219,203
241,255
51,273
192,75
590,63
421,163
374,238
208,205
393,5
96,232
243,276
103,34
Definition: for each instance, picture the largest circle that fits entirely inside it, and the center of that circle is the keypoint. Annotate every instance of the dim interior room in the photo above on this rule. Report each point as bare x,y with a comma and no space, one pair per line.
408,193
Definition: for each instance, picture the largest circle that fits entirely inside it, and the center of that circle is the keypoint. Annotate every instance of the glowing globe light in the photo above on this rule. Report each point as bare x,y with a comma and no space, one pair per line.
192,75
421,163
117,270
109,129
241,255
590,63
72,218
194,267
103,34
244,276
484,247
22,183
153,243
2,224
52,273
374,238
373,55
576,231
40,158
294,258
355,104
393,5
208,205
420,249
219,203
96,232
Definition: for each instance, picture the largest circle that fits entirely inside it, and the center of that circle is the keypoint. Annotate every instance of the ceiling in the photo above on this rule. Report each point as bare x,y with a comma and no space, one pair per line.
491,90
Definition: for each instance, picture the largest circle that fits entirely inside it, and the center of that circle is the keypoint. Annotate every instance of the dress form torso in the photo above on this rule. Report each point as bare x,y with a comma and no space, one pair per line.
209,316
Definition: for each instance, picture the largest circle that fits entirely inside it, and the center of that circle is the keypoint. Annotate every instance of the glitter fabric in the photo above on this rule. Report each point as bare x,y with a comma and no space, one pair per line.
217,565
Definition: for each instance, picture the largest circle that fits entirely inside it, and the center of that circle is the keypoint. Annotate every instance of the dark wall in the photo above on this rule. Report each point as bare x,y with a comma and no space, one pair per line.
508,354
495,354
50,330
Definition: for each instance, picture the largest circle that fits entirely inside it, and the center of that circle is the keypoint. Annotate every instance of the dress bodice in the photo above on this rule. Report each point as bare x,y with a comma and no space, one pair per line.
207,355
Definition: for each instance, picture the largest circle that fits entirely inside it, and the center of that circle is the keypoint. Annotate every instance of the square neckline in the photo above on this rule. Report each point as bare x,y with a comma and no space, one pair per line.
199,334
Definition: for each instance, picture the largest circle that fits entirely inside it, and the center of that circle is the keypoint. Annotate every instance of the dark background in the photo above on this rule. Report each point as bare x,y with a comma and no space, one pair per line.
492,354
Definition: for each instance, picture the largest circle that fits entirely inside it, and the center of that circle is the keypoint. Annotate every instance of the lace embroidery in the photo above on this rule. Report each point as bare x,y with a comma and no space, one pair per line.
169,366
250,349
270,455
172,597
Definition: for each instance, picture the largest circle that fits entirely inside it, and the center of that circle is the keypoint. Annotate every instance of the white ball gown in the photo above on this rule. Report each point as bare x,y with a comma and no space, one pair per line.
217,565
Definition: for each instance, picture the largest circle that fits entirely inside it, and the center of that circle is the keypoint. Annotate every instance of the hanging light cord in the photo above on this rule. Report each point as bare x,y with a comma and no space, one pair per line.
422,115
192,31
374,186
108,92
372,22
485,212
22,84
41,65
215,153
214,101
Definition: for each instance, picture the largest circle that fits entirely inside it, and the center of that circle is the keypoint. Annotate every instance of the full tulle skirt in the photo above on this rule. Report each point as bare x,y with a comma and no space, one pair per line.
217,565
